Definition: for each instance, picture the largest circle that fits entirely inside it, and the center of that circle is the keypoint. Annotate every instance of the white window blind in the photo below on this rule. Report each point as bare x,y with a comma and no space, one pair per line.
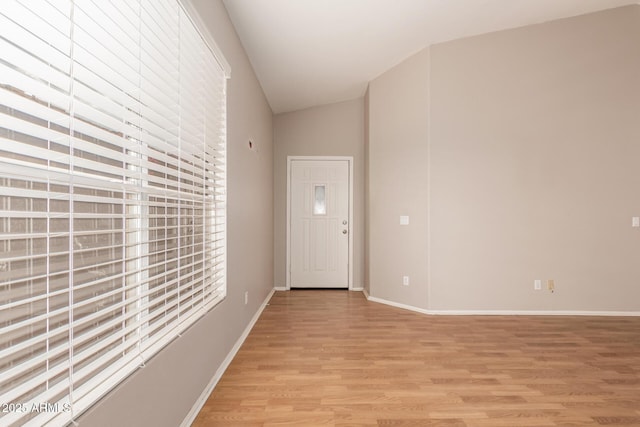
112,195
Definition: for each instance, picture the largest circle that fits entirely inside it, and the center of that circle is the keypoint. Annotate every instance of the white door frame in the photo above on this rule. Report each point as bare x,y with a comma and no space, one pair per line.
291,159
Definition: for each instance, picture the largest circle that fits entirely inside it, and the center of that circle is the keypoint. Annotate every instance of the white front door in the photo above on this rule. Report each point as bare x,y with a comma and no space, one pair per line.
319,233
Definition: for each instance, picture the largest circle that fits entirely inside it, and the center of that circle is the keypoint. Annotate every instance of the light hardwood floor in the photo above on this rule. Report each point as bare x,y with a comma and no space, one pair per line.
325,358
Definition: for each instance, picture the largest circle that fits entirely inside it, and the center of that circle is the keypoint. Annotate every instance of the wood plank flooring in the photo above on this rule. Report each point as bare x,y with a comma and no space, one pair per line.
331,358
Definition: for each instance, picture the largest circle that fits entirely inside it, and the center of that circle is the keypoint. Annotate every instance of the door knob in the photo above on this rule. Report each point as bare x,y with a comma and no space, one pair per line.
344,231
344,222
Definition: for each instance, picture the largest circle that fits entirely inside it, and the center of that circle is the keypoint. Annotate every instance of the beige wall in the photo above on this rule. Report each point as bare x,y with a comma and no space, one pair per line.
162,393
535,144
397,175
529,139
330,130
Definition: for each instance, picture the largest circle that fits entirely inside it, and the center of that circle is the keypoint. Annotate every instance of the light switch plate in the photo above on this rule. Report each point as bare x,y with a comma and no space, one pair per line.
404,219
635,221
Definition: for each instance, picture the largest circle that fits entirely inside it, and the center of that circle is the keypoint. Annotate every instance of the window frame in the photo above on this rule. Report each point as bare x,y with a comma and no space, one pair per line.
139,182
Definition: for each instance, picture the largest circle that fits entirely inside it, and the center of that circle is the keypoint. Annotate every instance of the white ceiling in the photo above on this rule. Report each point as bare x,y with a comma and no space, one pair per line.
315,52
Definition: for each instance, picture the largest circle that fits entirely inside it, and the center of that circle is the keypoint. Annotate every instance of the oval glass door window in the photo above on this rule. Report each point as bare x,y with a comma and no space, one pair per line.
320,200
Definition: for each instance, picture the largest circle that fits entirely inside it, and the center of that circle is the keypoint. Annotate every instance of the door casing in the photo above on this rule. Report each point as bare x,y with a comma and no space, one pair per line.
290,160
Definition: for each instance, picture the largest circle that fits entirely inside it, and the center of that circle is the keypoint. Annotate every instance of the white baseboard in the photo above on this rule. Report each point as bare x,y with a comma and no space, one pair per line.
534,313
280,288
396,304
503,312
195,410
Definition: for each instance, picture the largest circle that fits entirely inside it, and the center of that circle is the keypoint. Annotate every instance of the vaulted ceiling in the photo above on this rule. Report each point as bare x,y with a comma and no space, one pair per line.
315,52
